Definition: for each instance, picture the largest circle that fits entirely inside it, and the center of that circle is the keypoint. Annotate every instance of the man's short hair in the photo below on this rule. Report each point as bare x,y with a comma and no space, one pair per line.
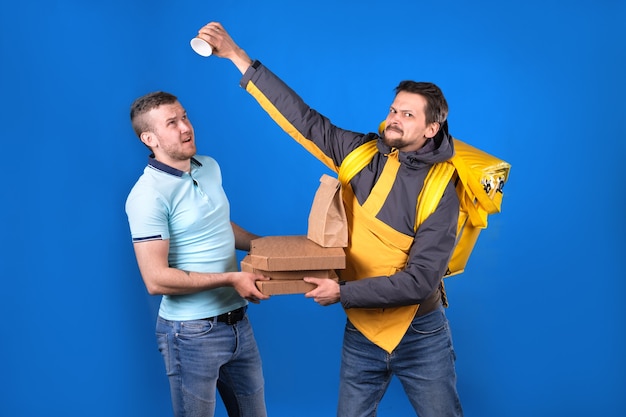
436,105
143,105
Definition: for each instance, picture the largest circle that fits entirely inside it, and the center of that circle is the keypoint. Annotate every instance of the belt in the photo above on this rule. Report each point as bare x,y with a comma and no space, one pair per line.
231,317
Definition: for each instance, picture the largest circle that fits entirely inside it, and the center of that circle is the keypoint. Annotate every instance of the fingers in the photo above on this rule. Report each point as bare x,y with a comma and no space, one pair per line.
313,293
317,295
213,33
245,285
326,292
211,28
256,300
316,281
256,295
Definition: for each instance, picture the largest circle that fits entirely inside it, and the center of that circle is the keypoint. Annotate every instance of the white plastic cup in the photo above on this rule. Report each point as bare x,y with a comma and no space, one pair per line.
201,47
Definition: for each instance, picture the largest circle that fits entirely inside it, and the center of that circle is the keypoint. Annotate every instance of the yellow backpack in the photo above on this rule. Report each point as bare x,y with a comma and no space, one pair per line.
479,179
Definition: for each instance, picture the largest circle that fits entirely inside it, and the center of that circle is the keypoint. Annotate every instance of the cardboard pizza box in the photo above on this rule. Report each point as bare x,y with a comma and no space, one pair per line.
286,286
294,253
246,266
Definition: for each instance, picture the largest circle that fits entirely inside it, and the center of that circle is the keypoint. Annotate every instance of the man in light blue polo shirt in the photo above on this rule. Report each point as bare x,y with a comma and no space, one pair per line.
185,243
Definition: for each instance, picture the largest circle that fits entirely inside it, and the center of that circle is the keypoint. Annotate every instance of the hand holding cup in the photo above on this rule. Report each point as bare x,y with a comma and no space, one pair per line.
212,39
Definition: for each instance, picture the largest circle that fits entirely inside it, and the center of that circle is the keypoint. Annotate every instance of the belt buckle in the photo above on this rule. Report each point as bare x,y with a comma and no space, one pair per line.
234,316
229,318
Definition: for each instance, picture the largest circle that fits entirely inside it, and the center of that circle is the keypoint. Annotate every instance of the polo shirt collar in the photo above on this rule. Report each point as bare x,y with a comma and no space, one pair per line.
168,169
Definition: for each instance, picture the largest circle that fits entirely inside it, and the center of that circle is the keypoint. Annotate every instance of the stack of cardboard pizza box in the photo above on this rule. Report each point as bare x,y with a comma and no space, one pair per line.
286,260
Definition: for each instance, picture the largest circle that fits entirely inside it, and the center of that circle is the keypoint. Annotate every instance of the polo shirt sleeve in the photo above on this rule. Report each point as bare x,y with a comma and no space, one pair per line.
147,215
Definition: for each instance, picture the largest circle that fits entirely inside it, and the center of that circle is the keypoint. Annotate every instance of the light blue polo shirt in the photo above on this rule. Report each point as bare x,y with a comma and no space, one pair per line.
192,211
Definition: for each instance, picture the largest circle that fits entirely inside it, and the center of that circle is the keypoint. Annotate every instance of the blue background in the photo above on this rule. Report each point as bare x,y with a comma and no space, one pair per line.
538,317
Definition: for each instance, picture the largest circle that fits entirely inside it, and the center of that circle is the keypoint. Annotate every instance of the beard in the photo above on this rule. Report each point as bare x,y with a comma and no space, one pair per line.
180,154
394,142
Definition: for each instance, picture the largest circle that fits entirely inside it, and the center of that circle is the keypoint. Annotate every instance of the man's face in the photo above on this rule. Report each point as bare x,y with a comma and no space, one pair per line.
171,136
405,125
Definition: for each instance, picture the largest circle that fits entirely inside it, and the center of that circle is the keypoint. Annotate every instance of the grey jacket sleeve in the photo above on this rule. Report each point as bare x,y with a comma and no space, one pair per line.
308,127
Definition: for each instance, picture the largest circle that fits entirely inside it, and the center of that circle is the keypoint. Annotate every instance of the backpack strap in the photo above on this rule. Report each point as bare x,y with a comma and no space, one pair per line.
356,160
435,184
472,195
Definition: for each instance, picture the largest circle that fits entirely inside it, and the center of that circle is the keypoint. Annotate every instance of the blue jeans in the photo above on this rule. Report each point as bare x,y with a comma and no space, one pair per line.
423,362
202,355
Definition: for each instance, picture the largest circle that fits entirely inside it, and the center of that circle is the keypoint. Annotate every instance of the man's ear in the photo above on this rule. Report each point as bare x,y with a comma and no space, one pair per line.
432,129
147,138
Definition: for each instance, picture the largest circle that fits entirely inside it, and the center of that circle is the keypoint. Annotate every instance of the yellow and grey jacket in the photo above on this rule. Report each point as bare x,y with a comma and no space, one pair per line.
391,269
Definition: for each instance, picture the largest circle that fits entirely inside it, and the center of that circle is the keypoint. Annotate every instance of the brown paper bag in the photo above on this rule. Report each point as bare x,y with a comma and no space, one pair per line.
328,226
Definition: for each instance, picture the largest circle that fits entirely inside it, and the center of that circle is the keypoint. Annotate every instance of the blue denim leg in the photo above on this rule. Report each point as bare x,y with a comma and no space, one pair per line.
423,362
241,383
363,376
201,355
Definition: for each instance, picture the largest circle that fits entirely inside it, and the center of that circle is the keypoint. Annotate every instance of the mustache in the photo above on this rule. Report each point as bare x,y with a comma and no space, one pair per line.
394,128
